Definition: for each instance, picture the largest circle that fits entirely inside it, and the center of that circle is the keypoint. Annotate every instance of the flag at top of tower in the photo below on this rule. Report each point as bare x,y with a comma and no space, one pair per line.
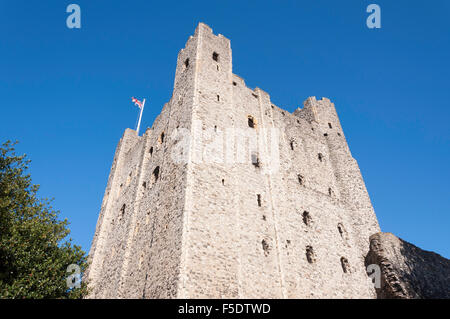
136,102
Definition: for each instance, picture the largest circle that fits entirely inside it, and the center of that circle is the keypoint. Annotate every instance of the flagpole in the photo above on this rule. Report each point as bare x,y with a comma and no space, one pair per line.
140,117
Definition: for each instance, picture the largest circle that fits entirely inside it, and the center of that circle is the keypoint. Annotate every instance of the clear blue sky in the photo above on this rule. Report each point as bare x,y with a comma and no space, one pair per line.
65,94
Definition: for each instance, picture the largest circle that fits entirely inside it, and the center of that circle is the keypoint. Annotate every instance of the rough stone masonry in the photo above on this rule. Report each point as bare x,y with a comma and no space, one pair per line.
407,271
287,215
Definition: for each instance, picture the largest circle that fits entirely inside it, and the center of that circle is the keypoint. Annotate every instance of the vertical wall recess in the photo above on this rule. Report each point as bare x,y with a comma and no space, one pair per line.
251,121
122,211
342,232
310,255
258,199
345,265
265,247
306,217
291,144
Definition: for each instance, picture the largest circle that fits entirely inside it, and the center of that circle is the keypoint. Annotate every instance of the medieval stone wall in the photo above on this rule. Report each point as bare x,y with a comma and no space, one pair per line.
250,200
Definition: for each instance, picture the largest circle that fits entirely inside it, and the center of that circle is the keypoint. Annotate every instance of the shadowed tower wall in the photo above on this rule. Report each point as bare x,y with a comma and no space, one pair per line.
229,196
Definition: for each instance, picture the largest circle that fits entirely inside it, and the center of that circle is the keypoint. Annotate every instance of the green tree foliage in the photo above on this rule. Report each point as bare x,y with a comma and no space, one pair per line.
34,251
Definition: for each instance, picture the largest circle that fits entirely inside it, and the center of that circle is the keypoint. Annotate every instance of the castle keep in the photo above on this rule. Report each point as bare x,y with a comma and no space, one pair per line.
183,217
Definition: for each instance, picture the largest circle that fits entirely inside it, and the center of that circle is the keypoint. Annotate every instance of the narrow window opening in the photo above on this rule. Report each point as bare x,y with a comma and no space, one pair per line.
122,210
156,173
186,63
310,256
141,261
255,160
330,191
326,134
223,181
234,83
162,137
218,98
144,184
300,179
292,145
215,56
265,247
251,122
339,134
151,151
341,231
320,156
329,125
306,218
264,217
129,179
258,199
218,68
345,265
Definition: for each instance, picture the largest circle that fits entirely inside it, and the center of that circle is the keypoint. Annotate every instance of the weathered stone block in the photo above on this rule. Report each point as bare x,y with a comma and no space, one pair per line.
408,271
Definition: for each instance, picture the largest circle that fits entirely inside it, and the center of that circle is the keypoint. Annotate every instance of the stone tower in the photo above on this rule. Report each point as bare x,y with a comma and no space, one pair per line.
230,196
